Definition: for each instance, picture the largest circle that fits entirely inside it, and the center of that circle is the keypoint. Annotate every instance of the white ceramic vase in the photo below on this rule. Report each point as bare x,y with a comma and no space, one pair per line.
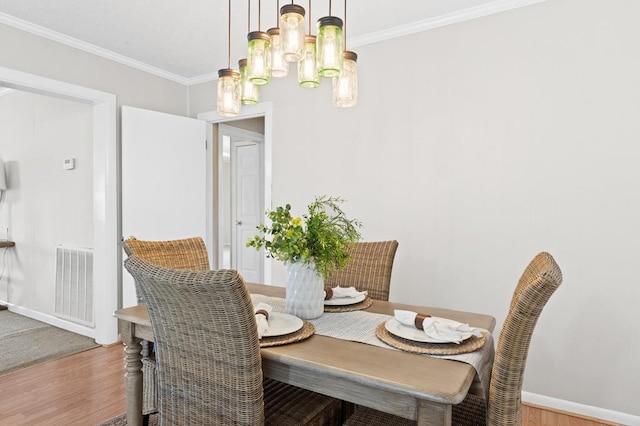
304,291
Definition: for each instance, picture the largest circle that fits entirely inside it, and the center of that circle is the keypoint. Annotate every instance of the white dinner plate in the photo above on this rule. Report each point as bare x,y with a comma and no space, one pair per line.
281,323
340,301
396,328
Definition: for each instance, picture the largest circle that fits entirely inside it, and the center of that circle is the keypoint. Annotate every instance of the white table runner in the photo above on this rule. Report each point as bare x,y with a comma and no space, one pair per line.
360,326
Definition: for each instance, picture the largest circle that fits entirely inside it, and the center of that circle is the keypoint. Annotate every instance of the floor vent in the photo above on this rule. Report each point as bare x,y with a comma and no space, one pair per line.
74,284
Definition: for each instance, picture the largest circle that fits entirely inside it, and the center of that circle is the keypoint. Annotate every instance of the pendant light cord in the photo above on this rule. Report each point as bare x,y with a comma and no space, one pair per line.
229,38
309,17
259,8
345,25
248,16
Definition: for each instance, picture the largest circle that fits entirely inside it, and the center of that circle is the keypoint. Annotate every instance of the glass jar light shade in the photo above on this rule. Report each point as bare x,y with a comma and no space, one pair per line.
250,92
259,58
307,70
345,86
292,31
279,65
329,46
228,99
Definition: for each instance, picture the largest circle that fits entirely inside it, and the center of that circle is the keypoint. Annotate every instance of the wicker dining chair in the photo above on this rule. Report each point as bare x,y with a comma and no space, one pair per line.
187,253
368,268
209,367
538,282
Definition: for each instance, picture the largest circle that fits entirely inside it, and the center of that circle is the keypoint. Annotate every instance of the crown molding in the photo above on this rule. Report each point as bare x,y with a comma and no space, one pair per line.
87,47
441,21
376,37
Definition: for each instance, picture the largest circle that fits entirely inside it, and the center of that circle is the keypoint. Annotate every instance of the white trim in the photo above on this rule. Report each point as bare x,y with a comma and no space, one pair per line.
106,260
584,410
55,321
376,37
441,21
264,109
88,47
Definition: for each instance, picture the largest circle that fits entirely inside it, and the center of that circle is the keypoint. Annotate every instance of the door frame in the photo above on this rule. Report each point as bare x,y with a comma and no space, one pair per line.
264,109
106,252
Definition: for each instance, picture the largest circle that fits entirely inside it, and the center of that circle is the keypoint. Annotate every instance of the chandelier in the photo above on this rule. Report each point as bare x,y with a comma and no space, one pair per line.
319,57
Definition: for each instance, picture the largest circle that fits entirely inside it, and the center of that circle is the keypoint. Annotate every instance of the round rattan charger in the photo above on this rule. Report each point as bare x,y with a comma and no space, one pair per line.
471,344
305,332
349,308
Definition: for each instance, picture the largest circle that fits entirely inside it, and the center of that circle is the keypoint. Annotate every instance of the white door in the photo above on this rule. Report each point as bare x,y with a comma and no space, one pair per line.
243,152
246,212
163,180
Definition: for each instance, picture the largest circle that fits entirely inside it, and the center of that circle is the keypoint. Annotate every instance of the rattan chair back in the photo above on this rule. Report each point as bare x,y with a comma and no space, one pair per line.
539,281
369,268
188,253
207,350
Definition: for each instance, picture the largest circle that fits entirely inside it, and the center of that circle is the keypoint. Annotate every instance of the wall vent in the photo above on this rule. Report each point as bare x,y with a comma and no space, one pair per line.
74,284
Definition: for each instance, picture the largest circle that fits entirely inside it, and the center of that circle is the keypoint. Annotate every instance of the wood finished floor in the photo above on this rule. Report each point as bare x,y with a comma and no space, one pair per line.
88,389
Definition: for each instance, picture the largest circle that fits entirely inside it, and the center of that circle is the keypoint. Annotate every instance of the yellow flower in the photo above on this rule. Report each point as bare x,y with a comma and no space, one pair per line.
296,221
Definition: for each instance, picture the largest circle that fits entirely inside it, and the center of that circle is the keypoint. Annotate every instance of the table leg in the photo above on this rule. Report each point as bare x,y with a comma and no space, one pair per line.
133,373
431,413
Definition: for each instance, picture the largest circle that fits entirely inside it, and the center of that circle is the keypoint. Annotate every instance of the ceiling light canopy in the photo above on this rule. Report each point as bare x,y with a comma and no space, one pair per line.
317,56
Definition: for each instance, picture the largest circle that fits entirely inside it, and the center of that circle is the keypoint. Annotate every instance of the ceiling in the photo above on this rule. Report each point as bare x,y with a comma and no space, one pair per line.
187,40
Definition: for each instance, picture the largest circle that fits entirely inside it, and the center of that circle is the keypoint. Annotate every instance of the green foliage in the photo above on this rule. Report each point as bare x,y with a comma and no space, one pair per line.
320,236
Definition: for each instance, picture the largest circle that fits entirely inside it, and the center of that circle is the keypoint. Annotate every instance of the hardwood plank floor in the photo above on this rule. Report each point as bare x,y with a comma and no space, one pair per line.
82,389
87,389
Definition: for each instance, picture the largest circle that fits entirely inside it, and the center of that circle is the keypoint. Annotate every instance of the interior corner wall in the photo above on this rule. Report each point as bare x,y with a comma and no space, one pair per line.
478,145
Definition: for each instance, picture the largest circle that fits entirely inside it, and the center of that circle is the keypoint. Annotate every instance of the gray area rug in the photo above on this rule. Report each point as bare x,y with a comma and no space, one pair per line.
25,342
122,421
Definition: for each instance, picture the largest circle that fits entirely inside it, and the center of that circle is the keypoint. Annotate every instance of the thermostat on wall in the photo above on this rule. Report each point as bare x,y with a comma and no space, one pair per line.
69,164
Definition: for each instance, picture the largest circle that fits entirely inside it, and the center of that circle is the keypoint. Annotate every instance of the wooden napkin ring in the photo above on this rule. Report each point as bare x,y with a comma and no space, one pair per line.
419,320
328,293
263,312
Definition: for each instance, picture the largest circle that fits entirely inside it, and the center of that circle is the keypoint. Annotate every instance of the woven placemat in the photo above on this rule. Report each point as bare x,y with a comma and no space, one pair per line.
471,344
349,308
305,332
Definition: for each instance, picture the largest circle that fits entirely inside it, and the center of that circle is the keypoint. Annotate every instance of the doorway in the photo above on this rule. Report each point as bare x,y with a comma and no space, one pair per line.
240,176
241,209
105,204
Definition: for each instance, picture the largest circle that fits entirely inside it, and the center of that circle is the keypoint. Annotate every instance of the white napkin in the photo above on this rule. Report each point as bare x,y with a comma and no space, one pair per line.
442,329
261,319
346,292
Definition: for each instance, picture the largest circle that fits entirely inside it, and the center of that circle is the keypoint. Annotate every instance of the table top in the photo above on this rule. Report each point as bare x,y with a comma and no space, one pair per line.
380,374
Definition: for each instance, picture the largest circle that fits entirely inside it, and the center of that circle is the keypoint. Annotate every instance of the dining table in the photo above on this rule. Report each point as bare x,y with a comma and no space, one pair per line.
411,385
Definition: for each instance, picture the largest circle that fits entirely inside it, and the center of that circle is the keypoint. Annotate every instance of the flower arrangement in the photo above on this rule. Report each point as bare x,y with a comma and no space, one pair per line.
319,237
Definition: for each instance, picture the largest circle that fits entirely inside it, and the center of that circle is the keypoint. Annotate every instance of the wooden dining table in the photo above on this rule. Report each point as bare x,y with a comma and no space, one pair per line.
414,386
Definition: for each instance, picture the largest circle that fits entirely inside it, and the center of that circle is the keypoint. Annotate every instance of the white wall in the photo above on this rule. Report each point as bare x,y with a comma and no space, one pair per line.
478,145
45,205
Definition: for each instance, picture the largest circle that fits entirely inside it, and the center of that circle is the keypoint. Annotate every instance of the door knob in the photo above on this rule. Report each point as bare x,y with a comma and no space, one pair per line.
238,222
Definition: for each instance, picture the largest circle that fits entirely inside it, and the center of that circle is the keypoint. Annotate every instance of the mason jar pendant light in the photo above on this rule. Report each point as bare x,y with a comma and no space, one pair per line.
345,86
292,31
279,65
259,56
250,92
229,90
329,45
307,70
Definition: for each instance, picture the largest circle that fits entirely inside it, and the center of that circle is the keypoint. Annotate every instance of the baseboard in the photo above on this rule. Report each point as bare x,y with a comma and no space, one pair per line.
55,321
581,409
